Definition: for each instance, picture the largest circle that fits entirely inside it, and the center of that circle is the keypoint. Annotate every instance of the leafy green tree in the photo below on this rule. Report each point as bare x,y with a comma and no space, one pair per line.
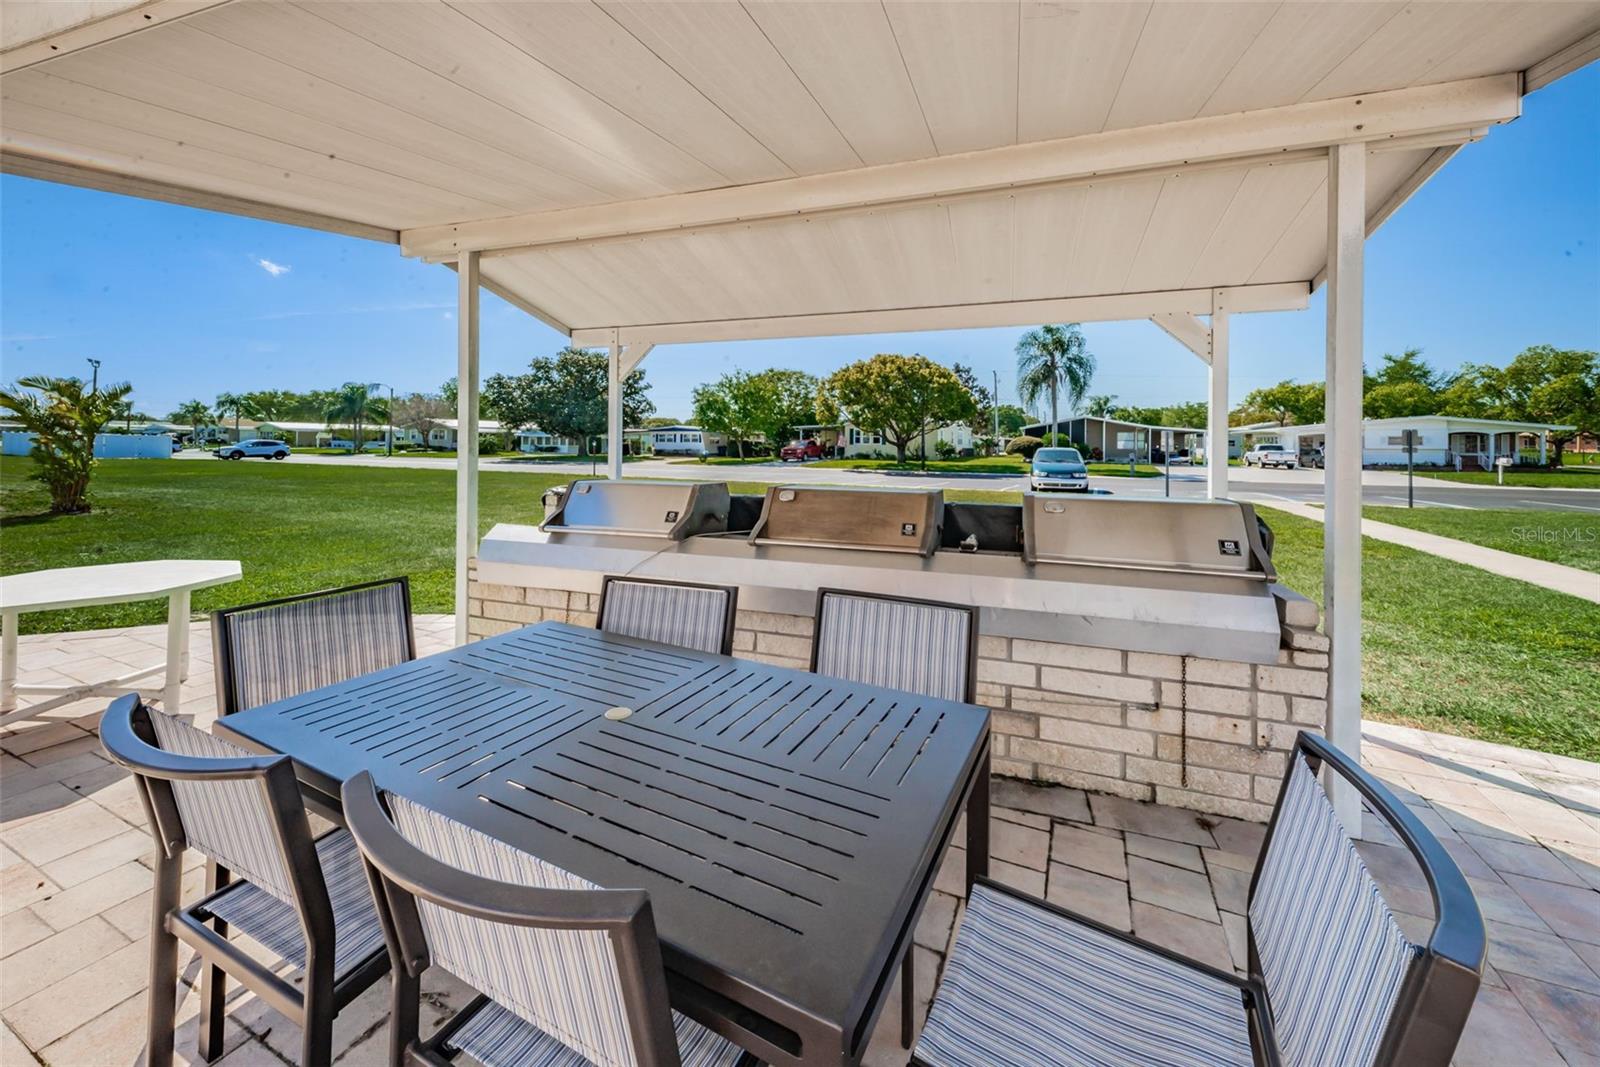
354,405
1393,400
901,397
1545,384
1409,368
566,395
1192,413
1101,407
195,414
1052,360
1286,403
982,397
236,404
771,403
1012,420
64,416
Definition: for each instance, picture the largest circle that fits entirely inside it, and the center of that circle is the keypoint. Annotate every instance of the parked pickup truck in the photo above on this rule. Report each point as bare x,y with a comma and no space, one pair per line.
1270,456
800,450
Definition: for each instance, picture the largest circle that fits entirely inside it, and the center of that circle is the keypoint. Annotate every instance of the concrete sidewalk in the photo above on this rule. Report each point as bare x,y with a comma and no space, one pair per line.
1555,576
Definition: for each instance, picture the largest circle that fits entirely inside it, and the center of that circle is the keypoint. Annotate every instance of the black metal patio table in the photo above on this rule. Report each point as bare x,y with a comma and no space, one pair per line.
787,826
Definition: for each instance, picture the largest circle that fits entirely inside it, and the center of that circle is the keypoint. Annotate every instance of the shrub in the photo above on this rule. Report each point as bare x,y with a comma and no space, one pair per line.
985,445
1024,446
944,449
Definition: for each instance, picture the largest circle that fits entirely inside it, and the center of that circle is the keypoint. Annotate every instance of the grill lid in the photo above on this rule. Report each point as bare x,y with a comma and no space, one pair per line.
874,520
639,507
1219,537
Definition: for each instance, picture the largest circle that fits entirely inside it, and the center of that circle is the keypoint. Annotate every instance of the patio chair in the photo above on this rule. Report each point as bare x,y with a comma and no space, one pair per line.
305,900
569,974
1333,979
921,646
674,613
282,648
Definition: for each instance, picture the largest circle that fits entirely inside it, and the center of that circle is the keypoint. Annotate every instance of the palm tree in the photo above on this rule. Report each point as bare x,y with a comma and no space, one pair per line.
195,413
1052,360
1102,407
236,404
124,411
64,415
355,404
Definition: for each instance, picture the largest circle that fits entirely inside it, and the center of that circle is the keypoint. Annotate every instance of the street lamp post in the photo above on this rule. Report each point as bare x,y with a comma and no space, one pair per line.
94,384
388,449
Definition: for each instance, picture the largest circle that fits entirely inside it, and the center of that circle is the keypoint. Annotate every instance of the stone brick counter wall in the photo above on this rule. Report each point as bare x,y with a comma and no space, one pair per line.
1210,735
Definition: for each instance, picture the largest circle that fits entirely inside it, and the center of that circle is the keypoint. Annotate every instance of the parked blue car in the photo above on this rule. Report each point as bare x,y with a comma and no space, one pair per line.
1058,468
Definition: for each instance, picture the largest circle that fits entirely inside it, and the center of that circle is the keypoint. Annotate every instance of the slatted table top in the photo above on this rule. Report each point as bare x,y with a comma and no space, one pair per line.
786,825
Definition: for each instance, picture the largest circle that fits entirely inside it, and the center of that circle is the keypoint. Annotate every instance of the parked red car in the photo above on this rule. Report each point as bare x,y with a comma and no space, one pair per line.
800,451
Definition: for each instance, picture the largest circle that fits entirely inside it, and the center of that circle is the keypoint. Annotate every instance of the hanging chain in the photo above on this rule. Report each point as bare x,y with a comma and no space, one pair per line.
1183,721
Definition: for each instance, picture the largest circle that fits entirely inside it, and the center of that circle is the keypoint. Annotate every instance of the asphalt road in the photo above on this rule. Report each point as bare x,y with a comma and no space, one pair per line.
1264,486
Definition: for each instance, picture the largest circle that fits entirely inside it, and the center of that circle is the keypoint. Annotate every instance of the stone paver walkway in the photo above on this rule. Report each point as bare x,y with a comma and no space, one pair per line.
1555,576
1525,827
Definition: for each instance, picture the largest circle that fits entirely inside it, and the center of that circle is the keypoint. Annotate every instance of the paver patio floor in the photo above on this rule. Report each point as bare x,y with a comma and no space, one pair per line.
1524,826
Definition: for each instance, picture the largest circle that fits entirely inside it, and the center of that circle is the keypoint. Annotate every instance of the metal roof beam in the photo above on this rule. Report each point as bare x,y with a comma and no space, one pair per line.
1376,117
1286,296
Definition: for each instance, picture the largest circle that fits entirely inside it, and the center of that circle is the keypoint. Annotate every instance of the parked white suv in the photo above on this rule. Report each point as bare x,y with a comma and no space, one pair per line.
264,447
1270,456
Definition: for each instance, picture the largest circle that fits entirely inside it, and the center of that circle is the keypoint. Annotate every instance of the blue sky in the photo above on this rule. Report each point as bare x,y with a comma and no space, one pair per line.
1499,251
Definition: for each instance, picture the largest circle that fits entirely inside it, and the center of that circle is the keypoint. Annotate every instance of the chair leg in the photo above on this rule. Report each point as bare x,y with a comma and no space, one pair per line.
316,1040
405,994
213,979
162,1020
908,997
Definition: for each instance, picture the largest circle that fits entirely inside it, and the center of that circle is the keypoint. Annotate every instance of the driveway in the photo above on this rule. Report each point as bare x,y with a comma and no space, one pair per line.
1245,483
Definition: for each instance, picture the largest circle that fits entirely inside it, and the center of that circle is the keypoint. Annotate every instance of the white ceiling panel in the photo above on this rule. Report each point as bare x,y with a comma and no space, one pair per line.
454,114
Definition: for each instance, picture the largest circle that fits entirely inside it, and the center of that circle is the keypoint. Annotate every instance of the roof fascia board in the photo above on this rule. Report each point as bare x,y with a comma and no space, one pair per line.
98,31
1281,296
50,170
1577,54
1399,113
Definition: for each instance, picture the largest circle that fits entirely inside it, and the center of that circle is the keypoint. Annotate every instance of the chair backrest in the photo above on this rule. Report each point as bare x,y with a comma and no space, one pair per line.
922,646
1344,983
282,648
239,809
674,613
579,962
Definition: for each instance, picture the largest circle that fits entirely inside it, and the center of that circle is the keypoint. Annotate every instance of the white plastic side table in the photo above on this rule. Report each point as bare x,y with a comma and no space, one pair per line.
111,583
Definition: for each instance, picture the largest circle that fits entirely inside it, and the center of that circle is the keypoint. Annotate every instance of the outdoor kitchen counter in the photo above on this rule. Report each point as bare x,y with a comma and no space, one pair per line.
1132,610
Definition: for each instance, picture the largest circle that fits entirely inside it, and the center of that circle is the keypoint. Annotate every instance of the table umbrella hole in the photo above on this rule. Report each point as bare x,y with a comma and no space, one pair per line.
617,714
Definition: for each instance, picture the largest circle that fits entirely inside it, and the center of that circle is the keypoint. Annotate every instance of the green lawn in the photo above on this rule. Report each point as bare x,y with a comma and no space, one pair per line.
1567,478
1572,538
1448,647
1455,649
1580,459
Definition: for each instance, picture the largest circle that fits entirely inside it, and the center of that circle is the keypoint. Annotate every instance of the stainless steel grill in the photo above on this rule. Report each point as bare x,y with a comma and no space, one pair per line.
1216,537
638,507
873,520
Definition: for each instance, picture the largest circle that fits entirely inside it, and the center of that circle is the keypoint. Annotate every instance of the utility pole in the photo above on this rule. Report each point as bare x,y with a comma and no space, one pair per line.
94,386
994,405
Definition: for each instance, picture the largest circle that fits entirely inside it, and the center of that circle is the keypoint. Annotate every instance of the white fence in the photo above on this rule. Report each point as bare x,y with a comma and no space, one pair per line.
106,445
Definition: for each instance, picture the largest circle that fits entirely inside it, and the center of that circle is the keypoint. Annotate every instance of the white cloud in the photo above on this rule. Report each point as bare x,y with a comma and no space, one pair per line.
272,268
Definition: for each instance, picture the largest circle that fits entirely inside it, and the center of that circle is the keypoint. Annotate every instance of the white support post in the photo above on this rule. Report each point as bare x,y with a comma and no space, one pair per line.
466,432
1544,447
1217,405
614,376
1347,188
